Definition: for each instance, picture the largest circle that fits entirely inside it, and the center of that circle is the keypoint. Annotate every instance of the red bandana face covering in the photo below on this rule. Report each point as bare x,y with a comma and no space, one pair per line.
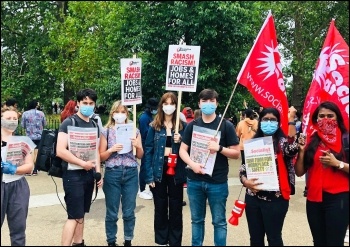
328,131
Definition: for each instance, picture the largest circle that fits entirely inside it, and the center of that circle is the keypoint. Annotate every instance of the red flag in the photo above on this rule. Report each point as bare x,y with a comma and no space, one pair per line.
262,75
330,80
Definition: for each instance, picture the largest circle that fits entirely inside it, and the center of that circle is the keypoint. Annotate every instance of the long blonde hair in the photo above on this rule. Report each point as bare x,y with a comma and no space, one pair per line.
158,121
116,105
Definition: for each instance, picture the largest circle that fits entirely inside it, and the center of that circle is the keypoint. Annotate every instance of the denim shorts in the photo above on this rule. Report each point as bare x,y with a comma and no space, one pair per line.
78,187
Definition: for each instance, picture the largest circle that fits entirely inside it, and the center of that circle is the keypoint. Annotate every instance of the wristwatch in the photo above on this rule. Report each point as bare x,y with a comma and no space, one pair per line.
220,149
341,165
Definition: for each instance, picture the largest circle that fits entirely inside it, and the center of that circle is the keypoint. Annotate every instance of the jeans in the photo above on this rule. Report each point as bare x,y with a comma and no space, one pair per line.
142,174
198,192
120,184
265,217
329,219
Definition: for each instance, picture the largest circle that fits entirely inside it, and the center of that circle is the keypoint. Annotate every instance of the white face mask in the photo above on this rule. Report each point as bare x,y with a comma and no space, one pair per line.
119,118
169,109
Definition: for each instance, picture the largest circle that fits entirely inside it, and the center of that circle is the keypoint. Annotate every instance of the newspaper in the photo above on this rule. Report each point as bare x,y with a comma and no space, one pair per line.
16,151
260,162
124,133
17,148
83,143
199,147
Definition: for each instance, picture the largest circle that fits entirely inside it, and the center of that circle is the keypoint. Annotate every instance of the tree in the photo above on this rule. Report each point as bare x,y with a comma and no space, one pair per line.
24,31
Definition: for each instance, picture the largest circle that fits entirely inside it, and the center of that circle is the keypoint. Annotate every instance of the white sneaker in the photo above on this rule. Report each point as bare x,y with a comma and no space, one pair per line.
144,195
149,192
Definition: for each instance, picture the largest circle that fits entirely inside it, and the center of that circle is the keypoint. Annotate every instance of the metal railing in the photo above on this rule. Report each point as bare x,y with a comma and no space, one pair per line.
51,124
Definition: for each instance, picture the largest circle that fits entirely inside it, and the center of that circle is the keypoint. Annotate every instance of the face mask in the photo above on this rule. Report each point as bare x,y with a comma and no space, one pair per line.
269,128
9,124
86,110
327,126
168,109
119,118
208,108
154,112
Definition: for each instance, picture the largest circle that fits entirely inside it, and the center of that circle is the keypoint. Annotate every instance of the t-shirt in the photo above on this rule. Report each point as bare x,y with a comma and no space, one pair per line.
78,123
228,138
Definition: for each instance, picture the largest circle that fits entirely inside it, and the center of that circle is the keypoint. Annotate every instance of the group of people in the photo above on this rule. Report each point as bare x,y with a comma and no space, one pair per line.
323,156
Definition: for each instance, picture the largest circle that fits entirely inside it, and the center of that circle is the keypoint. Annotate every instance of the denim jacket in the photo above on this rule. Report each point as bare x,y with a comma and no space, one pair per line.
154,156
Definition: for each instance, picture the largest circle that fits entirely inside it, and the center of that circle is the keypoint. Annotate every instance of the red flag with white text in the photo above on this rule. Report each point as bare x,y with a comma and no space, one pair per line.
330,80
262,75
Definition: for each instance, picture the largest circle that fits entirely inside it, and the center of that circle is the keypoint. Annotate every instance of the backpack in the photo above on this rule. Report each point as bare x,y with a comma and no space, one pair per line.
47,160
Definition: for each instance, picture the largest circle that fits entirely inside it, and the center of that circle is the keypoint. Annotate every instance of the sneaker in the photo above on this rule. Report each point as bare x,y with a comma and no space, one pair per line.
35,174
144,195
149,192
112,244
127,243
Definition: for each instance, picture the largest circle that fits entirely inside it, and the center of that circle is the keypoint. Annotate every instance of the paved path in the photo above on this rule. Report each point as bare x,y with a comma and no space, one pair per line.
47,216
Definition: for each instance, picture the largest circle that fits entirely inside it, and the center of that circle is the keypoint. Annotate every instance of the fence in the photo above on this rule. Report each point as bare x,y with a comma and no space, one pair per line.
51,124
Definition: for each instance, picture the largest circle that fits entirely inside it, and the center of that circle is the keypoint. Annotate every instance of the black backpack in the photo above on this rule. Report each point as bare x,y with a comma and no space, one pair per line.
47,160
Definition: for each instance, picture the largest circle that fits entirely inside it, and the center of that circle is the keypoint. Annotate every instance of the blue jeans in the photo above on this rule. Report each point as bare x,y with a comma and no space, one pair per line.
198,192
120,184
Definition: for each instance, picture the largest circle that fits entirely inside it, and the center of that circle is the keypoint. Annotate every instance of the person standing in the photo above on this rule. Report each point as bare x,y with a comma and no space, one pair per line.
201,186
69,109
145,119
78,175
326,162
266,210
246,129
34,121
167,189
14,187
121,175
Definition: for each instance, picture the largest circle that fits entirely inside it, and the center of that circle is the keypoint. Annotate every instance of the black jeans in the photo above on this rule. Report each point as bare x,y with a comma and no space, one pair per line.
167,198
36,142
265,217
329,219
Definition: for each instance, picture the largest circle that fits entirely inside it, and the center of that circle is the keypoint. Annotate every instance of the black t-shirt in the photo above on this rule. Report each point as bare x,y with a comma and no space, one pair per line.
78,123
228,138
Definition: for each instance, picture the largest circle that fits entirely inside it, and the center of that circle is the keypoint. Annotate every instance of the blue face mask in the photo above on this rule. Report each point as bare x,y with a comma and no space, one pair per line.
208,108
154,112
86,110
269,128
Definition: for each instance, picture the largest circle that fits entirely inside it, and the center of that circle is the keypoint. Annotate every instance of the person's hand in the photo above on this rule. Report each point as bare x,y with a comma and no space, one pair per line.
213,146
100,183
89,165
152,184
301,141
177,138
328,159
197,168
245,104
115,148
252,184
291,113
135,142
8,168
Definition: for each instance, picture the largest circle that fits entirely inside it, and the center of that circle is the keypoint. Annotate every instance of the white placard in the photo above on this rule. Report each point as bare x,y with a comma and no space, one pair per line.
124,133
260,162
182,69
130,70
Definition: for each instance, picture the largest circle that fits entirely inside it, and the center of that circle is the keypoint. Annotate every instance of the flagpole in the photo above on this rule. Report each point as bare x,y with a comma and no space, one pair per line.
222,118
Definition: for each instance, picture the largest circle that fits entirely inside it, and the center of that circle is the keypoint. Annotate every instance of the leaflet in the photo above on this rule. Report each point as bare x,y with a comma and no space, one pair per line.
199,147
260,162
124,133
83,143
